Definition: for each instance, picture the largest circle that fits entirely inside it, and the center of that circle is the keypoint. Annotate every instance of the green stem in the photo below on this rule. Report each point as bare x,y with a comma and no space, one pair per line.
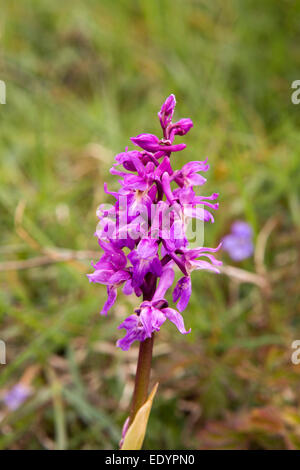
142,377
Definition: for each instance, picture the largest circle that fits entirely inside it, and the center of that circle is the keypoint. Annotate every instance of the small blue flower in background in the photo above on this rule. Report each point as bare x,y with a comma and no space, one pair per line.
238,243
16,396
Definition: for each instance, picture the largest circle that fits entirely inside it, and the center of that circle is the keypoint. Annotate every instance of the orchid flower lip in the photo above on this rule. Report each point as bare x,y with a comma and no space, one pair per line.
143,234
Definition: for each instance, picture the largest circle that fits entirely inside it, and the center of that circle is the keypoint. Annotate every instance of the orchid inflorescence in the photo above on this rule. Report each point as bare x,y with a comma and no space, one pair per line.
143,235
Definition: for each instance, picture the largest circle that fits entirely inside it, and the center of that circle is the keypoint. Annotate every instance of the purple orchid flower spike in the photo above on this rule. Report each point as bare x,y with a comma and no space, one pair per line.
149,219
144,237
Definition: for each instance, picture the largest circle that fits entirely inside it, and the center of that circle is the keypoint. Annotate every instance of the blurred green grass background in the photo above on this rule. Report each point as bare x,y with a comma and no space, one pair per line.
81,78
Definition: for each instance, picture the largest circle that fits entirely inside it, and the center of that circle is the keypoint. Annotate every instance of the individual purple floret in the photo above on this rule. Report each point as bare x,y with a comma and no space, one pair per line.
238,243
144,234
16,396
